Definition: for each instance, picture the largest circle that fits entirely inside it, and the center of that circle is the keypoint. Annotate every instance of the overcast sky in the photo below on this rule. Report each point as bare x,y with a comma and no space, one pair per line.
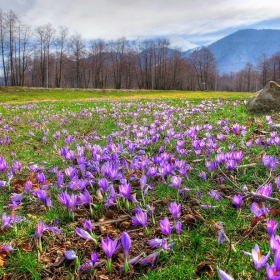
198,21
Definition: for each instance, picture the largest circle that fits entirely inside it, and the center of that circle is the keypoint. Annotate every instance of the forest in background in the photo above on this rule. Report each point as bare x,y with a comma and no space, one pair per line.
43,56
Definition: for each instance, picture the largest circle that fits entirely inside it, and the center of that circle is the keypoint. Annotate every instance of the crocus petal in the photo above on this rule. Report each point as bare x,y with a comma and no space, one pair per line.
70,255
223,275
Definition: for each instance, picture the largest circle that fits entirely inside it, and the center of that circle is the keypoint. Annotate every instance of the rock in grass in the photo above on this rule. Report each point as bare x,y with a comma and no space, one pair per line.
266,99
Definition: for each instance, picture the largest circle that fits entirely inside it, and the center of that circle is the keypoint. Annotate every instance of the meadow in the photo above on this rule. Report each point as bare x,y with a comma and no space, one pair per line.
113,185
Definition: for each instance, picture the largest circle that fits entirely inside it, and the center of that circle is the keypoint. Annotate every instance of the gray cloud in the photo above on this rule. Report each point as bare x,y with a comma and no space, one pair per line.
110,19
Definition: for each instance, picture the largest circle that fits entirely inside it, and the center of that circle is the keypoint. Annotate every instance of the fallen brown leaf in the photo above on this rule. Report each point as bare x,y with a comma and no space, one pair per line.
26,248
204,268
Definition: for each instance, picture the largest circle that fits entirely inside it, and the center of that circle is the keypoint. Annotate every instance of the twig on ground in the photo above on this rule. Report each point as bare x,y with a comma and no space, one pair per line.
263,197
230,180
112,221
249,165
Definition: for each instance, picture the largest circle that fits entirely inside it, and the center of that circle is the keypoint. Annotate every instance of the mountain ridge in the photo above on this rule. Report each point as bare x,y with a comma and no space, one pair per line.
235,50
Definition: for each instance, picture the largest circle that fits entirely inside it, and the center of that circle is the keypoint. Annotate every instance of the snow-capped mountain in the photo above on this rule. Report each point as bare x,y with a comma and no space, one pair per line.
181,43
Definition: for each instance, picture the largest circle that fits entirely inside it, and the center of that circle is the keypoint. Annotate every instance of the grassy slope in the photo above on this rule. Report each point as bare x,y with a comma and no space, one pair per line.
194,246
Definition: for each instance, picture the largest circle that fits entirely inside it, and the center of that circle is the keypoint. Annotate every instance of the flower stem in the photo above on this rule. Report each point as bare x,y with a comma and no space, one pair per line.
109,265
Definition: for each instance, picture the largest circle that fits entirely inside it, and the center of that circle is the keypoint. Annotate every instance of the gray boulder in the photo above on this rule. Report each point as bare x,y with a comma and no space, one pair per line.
265,99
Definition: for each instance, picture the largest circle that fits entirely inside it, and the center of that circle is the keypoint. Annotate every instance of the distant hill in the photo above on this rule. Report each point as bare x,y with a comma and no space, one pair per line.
234,51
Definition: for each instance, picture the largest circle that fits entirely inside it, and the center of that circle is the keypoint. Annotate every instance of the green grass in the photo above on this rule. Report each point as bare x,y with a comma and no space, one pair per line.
90,123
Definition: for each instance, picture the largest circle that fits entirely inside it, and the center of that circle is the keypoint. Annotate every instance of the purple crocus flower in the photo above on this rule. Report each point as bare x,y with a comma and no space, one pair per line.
70,172
126,244
84,234
258,259
143,181
88,265
70,201
70,255
2,183
42,195
150,259
3,164
40,228
151,209
202,175
125,190
16,197
274,243
277,182
230,164
272,273
277,259
94,257
152,171
237,200
60,179
183,191
271,226
165,246
265,189
17,165
111,197
165,226
84,198
155,242
6,248
87,224
220,229
132,261
41,178
6,221
214,194
176,182
140,219
28,186
109,247
269,161
103,183
178,227
211,165
256,210
223,275
175,210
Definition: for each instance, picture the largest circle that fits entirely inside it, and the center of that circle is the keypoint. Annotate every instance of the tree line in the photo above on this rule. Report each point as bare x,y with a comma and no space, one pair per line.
252,77
47,57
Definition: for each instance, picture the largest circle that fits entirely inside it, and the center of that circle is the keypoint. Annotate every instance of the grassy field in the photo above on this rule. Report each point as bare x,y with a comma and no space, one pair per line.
12,94
195,149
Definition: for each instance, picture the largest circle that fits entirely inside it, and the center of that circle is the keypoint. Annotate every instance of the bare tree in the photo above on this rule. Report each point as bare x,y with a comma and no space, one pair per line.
98,64
61,42
77,54
11,21
3,34
45,35
23,52
117,52
263,69
274,66
204,65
